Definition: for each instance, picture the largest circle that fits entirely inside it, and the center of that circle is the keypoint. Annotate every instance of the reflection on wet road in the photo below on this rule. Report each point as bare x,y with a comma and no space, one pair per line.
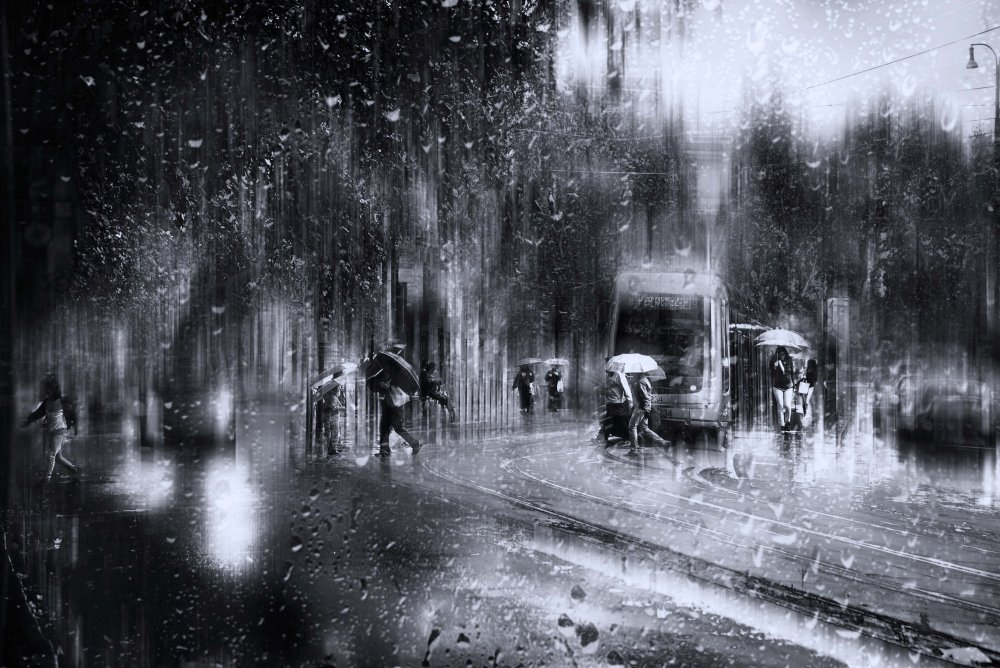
471,550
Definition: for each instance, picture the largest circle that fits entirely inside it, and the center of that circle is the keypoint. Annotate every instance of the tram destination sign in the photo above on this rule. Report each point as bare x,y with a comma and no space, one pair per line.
672,302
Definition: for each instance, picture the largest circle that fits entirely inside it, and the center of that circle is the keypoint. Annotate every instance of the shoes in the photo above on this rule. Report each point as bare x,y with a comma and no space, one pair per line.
632,452
384,451
454,417
416,447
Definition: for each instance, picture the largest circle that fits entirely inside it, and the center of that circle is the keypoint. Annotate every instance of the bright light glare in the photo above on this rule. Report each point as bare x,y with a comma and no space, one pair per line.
151,484
231,525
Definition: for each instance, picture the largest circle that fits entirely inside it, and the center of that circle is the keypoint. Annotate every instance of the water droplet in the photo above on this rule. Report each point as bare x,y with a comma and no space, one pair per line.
756,37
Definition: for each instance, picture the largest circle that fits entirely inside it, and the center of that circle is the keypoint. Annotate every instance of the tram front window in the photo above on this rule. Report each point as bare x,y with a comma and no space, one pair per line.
671,329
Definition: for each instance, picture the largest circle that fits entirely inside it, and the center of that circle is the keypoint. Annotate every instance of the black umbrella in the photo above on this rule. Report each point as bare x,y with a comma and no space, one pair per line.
394,369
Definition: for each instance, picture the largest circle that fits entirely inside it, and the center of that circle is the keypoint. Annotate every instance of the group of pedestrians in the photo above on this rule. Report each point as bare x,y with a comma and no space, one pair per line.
628,405
392,395
524,385
792,388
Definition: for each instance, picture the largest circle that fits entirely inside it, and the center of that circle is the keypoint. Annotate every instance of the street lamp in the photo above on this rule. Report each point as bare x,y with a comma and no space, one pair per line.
972,65
991,298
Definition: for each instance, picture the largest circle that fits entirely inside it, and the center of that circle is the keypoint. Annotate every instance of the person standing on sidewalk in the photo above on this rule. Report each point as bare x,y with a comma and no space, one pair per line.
553,380
639,422
328,412
524,384
782,375
58,416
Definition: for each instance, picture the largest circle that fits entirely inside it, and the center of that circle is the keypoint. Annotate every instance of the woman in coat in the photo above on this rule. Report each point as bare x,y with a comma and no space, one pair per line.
782,377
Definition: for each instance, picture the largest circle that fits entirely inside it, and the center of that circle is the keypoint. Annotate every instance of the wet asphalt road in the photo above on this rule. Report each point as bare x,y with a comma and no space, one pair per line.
478,550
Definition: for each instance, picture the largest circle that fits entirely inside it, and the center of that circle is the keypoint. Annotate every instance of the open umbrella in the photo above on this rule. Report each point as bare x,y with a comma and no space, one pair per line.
782,337
557,361
526,361
334,374
390,366
631,363
656,374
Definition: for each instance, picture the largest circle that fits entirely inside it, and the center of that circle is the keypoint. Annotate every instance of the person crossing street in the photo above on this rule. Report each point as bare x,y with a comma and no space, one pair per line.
639,422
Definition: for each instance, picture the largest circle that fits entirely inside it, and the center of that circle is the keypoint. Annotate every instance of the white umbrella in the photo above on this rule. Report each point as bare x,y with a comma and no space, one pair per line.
557,361
333,374
631,363
782,337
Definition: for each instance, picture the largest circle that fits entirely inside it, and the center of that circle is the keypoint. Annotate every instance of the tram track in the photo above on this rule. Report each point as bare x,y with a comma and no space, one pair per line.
884,628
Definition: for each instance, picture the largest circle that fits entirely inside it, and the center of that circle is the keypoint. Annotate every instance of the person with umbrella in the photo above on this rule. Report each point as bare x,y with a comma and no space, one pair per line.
331,403
394,381
329,408
782,378
524,384
639,422
617,406
554,382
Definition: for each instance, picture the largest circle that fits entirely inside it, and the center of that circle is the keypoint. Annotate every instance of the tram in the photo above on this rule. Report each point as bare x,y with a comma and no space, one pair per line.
701,333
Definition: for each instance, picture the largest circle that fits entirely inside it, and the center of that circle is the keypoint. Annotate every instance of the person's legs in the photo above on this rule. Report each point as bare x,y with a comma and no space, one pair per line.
384,427
649,433
54,441
604,425
445,403
808,402
331,434
789,402
48,448
397,425
65,463
779,402
633,428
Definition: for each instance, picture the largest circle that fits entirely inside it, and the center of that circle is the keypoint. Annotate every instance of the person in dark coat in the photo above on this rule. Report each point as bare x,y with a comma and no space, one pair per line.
328,412
617,407
392,399
639,422
524,384
430,388
57,417
782,378
553,380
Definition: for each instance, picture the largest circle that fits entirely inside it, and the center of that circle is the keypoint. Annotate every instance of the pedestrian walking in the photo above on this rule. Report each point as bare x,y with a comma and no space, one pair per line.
810,378
58,416
617,407
554,383
639,421
431,388
393,399
781,385
524,385
329,411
